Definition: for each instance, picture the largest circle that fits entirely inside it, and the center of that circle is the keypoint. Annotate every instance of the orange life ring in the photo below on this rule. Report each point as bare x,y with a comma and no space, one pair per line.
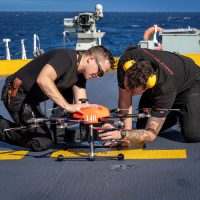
149,32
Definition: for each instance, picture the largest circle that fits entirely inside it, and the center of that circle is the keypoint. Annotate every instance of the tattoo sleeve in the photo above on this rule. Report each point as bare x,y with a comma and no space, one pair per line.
152,129
155,124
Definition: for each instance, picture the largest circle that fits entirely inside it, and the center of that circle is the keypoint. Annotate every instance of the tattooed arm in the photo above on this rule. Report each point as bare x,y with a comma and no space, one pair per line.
148,134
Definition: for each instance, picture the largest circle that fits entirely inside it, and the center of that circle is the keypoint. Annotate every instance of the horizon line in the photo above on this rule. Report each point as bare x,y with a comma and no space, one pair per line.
104,11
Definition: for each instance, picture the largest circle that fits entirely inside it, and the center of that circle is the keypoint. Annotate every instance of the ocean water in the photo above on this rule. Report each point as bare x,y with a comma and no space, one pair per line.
122,29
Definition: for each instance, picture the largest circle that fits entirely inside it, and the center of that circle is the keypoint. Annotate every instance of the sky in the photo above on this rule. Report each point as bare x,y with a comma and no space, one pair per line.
108,5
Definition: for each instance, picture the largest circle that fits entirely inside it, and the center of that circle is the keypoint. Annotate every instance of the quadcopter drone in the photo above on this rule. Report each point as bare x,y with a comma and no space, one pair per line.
90,119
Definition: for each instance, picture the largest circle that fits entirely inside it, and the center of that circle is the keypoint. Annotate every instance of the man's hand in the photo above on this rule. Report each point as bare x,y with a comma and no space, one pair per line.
141,135
77,107
71,108
108,134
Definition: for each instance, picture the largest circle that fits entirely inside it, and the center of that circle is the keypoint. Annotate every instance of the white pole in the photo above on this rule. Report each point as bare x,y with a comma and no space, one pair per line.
99,38
6,41
34,43
64,39
23,49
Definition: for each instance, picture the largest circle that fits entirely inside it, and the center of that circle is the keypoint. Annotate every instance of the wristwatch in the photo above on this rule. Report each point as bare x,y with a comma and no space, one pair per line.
123,134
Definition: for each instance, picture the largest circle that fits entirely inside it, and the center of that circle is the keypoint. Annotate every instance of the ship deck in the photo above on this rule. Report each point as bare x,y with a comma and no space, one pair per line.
167,168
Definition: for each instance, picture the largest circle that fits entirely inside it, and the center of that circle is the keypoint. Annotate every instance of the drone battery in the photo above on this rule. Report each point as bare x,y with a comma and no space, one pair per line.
66,135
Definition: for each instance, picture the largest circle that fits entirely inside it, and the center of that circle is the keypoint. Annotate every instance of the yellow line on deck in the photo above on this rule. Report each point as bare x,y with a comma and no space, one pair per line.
128,154
12,155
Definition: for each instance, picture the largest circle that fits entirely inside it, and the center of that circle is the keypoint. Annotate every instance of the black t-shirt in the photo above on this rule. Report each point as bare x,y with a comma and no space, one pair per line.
64,63
175,74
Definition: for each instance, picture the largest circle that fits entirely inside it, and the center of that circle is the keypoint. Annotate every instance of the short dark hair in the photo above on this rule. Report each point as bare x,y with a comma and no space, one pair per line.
101,51
138,74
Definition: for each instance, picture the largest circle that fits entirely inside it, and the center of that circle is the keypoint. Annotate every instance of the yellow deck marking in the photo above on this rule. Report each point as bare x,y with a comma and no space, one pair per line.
8,67
195,57
12,155
128,154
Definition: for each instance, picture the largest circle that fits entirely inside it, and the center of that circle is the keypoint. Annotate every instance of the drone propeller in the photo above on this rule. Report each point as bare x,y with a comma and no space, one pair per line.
116,110
89,115
20,128
39,122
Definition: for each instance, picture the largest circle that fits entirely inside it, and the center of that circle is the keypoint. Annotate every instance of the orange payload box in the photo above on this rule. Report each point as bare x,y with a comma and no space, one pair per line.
92,114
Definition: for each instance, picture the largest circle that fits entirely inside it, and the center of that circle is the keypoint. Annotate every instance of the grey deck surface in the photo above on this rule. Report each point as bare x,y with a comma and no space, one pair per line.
39,177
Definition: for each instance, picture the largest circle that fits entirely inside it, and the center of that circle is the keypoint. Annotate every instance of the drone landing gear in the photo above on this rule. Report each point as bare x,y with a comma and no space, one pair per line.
118,157
91,156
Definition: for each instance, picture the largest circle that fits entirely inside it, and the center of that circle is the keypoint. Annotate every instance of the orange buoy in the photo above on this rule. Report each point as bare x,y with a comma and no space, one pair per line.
149,33
92,113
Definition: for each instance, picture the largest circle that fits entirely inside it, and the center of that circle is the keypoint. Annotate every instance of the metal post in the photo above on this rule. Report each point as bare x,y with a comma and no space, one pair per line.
6,41
99,38
64,39
23,49
34,43
91,156
35,40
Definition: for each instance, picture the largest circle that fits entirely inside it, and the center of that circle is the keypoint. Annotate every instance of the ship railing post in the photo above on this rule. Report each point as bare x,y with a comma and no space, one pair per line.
6,41
35,43
23,49
36,40
36,48
99,39
64,39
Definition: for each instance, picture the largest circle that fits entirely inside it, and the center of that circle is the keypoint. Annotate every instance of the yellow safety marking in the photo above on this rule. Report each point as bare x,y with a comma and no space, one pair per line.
195,57
12,155
128,154
8,67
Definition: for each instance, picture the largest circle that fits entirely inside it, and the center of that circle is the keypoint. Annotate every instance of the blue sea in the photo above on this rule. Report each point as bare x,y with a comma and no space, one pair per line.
122,29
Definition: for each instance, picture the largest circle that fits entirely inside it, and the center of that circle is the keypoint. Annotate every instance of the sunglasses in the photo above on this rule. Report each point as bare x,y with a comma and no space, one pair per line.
100,69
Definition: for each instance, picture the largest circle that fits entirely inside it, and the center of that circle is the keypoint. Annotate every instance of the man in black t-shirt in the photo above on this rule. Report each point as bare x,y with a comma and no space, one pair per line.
59,75
166,81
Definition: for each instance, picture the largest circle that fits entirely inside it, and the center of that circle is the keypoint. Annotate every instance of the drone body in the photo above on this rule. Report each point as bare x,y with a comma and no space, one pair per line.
92,114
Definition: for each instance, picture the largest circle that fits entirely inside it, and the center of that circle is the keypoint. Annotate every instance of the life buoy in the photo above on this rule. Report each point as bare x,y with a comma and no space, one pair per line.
151,32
